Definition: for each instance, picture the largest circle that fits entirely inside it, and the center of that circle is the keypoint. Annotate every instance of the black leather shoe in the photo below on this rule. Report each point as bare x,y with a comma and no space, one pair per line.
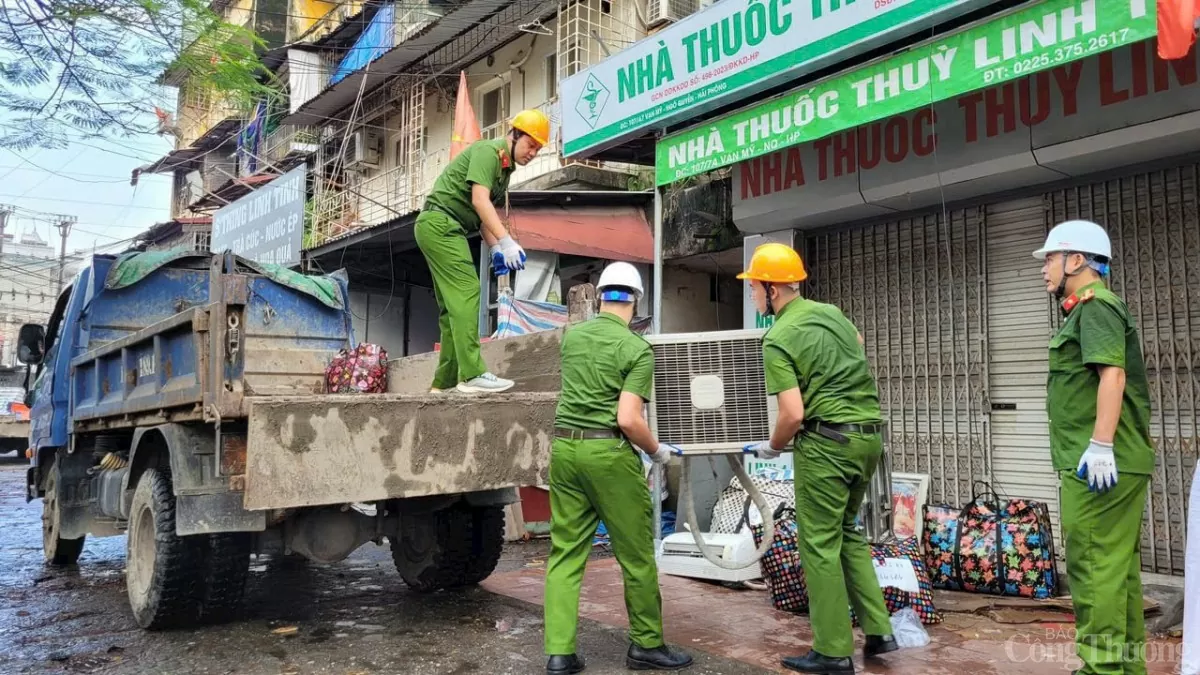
659,658
874,645
564,665
819,664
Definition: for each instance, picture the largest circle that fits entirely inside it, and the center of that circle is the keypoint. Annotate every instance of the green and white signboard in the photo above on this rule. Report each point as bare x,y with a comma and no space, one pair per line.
1036,38
730,51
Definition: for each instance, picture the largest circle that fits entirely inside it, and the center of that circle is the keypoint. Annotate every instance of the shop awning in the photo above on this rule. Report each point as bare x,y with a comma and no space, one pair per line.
607,232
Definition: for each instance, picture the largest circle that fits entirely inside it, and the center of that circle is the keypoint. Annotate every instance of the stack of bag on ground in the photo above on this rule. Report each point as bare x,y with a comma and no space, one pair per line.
781,565
993,546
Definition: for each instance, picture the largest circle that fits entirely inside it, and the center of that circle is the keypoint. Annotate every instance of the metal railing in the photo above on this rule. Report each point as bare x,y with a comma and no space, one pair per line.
288,139
371,201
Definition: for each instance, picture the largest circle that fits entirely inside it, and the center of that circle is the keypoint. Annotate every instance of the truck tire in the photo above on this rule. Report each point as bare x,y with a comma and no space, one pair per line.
450,548
164,571
226,566
58,551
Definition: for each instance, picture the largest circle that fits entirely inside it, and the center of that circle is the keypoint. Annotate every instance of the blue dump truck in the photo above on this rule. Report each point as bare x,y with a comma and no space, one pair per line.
178,398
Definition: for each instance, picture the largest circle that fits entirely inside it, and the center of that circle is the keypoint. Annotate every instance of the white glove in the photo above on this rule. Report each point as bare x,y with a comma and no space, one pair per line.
1098,466
664,452
762,450
514,255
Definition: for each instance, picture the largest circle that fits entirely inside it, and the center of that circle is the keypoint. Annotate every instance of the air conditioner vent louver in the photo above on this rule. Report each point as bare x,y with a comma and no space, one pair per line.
709,389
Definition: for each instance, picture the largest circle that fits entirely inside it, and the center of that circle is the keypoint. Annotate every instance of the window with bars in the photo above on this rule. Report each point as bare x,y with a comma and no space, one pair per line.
493,110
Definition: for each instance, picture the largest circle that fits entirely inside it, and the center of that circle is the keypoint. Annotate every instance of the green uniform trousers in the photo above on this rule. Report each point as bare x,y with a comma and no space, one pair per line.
1104,570
831,482
443,242
590,481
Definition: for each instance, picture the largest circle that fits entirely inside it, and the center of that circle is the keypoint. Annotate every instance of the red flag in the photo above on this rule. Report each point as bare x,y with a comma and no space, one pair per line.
466,127
1176,27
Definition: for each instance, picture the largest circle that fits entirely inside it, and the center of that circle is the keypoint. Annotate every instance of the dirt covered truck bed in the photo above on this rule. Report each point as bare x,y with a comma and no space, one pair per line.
337,449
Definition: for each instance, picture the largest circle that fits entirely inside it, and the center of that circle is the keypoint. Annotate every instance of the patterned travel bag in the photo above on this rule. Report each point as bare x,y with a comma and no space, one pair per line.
993,547
363,369
784,573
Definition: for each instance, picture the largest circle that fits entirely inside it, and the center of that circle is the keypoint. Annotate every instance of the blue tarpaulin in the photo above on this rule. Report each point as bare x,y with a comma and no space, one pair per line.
377,39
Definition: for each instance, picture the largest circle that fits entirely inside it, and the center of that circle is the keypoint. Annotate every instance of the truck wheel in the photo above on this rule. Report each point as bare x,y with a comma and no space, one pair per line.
164,571
451,548
58,551
226,566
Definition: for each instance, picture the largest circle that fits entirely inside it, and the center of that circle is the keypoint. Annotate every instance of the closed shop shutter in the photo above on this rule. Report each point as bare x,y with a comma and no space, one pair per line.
1019,311
1154,221
914,287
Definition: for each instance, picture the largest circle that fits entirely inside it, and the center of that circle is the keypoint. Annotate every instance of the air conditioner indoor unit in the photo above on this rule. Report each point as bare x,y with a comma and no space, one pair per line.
659,12
710,392
682,558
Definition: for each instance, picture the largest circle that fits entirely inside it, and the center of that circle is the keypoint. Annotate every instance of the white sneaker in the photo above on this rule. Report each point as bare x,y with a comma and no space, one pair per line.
486,383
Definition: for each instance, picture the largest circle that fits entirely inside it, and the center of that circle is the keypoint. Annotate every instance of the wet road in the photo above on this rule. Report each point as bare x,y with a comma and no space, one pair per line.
352,618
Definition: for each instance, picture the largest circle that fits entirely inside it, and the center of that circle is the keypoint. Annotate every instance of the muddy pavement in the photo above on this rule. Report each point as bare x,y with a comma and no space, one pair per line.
352,618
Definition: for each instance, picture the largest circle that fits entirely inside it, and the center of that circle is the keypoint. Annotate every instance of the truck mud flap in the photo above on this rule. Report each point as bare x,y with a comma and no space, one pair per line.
339,449
215,513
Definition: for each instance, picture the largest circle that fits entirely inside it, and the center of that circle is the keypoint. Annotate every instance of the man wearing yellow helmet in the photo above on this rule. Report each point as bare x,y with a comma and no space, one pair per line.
829,414
464,199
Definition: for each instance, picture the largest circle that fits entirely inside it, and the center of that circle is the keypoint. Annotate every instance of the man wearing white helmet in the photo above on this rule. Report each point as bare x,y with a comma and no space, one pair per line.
1098,402
595,474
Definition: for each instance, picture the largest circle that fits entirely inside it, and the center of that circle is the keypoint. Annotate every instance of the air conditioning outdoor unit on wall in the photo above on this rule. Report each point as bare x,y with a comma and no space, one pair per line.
659,12
710,393
364,148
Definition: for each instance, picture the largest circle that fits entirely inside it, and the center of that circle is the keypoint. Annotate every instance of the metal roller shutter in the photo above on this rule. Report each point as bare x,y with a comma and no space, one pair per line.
914,289
1154,221
1019,312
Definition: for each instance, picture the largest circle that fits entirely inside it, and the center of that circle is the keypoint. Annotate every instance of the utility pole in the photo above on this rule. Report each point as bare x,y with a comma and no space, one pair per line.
64,228
5,211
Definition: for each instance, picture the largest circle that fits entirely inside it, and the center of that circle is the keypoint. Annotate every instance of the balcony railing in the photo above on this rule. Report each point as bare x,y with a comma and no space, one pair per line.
372,201
289,139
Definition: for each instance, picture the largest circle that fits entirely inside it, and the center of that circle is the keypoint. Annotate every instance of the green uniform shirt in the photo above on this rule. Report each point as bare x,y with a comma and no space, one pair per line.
1098,331
814,346
484,162
601,358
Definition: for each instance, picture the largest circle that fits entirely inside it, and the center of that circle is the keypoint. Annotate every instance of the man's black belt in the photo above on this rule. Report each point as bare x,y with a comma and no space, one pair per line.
836,432
587,434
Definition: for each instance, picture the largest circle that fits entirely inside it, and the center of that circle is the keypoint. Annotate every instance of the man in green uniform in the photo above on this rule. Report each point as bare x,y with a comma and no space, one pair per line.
1098,401
816,367
463,200
596,475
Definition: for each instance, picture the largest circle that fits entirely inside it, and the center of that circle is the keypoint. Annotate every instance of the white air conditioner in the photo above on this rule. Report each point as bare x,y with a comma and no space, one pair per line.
710,393
659,12
682,558
364,149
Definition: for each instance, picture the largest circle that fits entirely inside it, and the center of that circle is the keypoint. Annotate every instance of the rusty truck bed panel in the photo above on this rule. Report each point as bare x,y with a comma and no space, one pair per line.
337,449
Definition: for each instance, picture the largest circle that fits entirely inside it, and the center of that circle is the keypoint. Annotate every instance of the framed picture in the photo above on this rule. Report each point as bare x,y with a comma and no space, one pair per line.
910,491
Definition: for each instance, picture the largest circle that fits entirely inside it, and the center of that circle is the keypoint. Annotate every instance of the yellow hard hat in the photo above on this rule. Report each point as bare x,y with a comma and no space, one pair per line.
535,123
775,263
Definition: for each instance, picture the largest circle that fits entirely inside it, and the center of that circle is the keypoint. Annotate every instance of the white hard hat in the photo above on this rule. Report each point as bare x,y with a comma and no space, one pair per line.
623,275
1076,236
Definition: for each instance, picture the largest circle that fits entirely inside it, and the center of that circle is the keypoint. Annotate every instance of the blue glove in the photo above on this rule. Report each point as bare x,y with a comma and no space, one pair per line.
498,266
1098,466
664,452
762,450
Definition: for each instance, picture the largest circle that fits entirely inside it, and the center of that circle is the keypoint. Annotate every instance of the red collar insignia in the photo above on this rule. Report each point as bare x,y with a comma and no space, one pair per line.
505,162
1070,303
